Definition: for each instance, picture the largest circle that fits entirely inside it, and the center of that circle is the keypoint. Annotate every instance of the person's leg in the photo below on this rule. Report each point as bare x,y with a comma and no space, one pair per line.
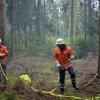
72,75
0,76
4,69
62,80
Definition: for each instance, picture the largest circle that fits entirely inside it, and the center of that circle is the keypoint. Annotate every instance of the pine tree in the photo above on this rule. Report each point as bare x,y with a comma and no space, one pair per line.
2,27
98,71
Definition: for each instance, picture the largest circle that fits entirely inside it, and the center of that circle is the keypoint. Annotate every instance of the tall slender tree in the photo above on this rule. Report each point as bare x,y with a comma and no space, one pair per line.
85,18
44,21
98,71
13,28
38,17
2,26
72,16
90,18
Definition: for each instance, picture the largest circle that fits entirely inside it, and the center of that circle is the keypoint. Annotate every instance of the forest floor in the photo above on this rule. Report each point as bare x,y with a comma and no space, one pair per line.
44,76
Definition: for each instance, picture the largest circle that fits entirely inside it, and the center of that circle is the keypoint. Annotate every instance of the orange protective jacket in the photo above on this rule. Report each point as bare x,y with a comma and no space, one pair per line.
3,49
62,57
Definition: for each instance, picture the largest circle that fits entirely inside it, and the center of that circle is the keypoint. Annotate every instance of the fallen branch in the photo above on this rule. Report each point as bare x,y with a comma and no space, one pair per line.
90,81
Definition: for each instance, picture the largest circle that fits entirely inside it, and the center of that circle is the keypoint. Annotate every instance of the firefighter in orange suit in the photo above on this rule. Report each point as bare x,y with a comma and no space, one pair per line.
3,55
62,59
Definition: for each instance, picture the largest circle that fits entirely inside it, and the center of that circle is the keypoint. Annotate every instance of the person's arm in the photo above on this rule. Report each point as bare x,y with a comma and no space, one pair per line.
56,62
71,56
69,52
55,55
5,51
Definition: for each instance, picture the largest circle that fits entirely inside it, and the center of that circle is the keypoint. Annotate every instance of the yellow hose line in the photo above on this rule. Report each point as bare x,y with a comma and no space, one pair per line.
25,78
57,95
4,73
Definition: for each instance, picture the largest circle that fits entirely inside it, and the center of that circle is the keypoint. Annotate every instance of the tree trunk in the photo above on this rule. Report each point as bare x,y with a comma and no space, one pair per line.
44,21
38,17
25,39
72,16
35,15
13,29
85,18
2,27
98,70
89,17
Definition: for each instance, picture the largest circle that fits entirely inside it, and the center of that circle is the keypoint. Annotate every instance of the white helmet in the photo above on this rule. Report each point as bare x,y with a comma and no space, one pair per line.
0,40
60,41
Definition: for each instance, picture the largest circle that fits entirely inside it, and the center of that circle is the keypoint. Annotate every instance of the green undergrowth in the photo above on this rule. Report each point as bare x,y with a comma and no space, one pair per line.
12,79
9,95
45,77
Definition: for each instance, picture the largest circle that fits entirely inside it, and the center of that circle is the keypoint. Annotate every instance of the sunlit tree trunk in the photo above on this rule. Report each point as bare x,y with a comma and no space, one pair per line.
2,27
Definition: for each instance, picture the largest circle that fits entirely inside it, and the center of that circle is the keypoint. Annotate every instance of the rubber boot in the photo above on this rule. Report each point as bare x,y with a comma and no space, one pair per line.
4,82
74,84
62,88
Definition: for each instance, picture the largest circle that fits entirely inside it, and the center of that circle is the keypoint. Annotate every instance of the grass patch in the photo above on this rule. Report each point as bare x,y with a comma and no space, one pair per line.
9,95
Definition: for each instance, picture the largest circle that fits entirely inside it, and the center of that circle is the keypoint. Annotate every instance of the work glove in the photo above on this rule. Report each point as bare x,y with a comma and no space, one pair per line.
68,60
57,64
73,57
2,55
